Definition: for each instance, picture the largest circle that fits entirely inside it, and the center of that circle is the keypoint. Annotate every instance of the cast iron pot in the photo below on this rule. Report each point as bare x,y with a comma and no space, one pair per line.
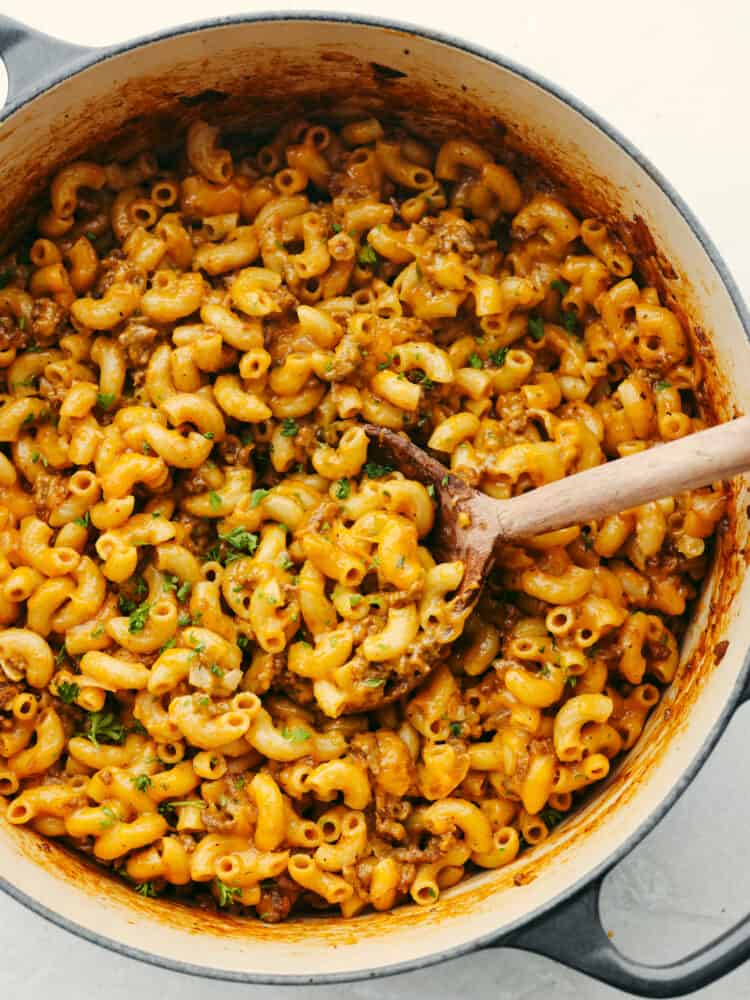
64,100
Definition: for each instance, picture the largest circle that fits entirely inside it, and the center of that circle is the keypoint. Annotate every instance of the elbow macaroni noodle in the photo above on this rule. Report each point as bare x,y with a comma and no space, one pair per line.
205,585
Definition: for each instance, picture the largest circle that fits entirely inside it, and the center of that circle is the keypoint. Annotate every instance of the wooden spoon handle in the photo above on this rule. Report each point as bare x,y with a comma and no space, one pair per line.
662,471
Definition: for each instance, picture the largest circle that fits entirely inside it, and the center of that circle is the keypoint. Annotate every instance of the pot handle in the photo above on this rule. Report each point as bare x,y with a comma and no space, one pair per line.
31,57
572,934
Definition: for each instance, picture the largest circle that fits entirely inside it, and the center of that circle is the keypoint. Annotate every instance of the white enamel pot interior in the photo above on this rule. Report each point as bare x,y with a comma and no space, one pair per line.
265,69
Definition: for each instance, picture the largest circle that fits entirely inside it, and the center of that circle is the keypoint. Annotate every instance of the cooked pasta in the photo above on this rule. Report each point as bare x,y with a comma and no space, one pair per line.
207,585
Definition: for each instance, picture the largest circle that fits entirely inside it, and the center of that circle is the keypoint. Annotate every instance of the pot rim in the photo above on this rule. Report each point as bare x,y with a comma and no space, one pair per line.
97,55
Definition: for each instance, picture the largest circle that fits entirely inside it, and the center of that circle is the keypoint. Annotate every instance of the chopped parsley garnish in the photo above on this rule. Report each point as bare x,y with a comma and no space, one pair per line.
242,641
169,582
456,728
183,591
104,725
560,286
98,631
227,894
295,735
367,256
662,385
215,500
374,471
241,540
475,361
498,357
216,670
289,427
146,889
444,481
570,321
336,227
536,328
343,489
83,522
105,399
141,782
138,618
68,692
208,435
373,682
111,817
385,364
257,497
551,817
431,492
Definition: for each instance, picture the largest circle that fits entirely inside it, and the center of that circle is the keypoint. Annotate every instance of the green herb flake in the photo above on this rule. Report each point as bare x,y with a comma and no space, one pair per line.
138,618
257,497
431,491
110,818
475,361
98,631
240,540
141,782
183,591
289,427
83,522
105,400
296,735
215,501
373,682
68,692
104,725
228,895
660,386
336,227
570,321
343,489
367,256
146,889
456,728
169,644
374,471
243,642
536,328
208,435
560,286
355,600
216,670
498,357
22,323
551,817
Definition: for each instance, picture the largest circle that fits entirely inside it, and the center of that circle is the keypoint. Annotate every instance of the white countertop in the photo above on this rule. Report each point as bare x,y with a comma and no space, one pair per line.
673,76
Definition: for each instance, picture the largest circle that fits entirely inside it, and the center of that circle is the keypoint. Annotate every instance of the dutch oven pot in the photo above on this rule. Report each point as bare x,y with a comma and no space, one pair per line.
64,100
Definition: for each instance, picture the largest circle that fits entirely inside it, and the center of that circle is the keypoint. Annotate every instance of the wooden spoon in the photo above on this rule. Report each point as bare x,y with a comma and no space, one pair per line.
470,525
